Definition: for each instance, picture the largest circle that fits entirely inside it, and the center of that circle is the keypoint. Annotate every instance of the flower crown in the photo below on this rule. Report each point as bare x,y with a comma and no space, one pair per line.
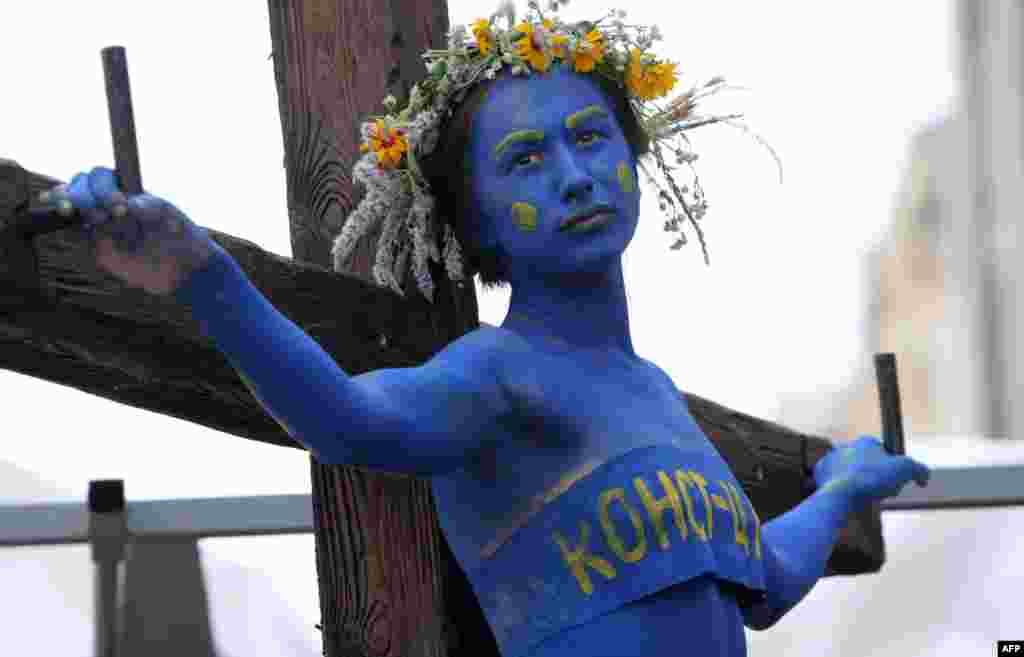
398,195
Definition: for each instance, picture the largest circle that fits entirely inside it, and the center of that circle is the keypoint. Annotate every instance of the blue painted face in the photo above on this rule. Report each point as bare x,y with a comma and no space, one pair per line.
545,149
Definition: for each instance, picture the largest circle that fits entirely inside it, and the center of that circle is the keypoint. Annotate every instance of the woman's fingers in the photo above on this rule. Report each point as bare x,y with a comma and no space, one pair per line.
80,194
94,217
920,472
103,185
126,231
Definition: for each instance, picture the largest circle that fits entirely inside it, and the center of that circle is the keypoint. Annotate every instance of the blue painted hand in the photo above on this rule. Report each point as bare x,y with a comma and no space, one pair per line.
142,240
868,473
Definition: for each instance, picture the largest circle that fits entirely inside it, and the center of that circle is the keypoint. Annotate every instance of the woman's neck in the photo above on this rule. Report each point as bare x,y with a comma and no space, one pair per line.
588,311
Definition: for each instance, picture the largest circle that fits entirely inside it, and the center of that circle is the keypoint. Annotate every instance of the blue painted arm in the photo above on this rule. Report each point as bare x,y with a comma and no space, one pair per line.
420,420
796,547
797,544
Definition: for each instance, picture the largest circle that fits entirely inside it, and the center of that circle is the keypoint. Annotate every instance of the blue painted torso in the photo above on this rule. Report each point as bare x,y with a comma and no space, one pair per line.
589,426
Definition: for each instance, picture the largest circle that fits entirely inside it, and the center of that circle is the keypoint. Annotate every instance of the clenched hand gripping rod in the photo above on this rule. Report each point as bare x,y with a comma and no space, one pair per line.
892,416
19,260
43,219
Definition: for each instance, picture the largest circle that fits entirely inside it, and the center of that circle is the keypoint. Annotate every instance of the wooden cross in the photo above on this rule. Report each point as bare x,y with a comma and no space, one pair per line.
388,583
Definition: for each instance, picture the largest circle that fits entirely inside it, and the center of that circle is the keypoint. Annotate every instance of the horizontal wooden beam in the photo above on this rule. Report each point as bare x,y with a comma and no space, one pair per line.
84,329
88,331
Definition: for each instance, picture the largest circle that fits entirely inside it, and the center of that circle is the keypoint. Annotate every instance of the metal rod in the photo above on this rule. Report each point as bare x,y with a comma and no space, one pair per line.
122,120
889,398
105,594
45,219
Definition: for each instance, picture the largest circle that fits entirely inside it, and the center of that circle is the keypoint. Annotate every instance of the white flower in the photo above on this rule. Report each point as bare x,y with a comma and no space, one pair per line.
507,9
457,37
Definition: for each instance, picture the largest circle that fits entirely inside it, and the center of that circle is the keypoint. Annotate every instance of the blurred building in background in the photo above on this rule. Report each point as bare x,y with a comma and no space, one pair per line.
945,282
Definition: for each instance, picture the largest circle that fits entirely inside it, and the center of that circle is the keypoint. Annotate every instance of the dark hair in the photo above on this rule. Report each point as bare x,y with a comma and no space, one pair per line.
448,171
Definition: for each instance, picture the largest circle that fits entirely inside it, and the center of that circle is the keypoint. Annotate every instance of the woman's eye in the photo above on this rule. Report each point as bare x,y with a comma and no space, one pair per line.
588,138
528,159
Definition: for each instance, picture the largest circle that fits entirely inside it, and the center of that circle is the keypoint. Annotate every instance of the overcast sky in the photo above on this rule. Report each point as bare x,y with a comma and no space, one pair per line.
838,89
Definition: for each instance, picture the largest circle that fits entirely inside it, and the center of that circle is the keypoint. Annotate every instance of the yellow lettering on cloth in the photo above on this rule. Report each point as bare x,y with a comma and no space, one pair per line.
581,557
629,500
655,508
684,480
617,545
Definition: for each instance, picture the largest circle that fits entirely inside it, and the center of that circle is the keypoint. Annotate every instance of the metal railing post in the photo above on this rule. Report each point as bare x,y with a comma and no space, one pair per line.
108,534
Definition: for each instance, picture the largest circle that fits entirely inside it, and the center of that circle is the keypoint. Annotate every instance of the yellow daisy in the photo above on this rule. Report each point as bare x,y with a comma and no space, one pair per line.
388,144
589,52
649,81
529,49
484,36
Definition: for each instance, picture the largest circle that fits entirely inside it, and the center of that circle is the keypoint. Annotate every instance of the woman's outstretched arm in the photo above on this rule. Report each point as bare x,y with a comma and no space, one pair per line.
419,420
796,547
797,544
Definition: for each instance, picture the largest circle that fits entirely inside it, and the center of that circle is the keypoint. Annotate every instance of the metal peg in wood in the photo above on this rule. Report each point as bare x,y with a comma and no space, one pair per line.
889,398
40,220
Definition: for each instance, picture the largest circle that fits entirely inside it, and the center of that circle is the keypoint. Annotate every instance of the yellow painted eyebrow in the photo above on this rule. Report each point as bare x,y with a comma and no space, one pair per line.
571,122
593,110
518,136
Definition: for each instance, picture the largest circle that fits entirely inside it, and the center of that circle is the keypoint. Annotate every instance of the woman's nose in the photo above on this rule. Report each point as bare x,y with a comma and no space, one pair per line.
577,185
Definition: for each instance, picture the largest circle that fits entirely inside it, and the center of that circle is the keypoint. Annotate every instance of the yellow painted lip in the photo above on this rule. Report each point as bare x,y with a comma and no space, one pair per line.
593,222
581,218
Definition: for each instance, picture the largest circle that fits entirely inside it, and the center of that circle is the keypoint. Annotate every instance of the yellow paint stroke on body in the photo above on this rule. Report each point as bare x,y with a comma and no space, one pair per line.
576,118
255,393
626,181
525,216
537,503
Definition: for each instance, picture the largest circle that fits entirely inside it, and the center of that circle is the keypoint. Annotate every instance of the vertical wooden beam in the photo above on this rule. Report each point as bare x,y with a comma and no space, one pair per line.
381,561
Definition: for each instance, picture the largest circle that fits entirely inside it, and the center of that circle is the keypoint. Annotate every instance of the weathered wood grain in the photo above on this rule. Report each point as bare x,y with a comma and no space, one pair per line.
379,561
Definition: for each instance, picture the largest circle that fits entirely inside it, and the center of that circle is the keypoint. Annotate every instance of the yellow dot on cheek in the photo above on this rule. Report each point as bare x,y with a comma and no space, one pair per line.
626,178
525,216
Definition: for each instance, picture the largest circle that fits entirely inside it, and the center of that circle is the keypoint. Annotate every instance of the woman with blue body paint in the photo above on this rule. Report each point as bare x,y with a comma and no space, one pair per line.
587,508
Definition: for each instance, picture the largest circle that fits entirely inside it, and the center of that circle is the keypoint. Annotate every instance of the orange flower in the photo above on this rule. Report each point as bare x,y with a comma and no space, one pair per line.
529,48
589,52
388,144
484,36
558,41
649,80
